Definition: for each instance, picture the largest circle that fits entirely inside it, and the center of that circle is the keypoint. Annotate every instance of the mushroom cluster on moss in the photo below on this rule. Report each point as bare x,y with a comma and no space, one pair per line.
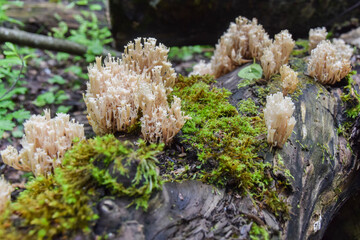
289,79
244,41
44,144
124,91
316,35
329,62
278,118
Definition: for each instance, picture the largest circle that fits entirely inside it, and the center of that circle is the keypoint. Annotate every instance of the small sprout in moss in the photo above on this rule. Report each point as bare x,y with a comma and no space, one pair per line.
258,232
253,71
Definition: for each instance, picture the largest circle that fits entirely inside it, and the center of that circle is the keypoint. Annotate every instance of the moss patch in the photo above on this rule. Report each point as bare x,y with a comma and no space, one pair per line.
62,204
301,48
227,142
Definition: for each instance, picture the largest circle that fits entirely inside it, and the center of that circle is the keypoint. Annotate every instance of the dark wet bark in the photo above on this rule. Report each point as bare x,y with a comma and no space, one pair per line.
189,22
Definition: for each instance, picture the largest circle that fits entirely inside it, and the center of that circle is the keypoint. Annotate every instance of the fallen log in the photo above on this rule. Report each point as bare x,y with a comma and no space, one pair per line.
45,42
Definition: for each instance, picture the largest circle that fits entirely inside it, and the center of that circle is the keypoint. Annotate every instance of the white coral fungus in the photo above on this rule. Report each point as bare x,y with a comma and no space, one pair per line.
289,79
120,91
316,35
329,63
278,118
5,194
277,53
243,41
44,144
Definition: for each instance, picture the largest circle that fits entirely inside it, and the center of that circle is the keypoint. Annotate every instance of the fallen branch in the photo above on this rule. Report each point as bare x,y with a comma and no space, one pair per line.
45,42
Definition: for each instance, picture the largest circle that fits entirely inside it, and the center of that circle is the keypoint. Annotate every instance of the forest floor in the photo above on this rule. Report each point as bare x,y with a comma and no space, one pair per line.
57,81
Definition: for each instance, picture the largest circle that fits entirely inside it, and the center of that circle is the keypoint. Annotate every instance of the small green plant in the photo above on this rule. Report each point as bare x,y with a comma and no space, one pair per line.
249,74
57,79
77,70
351,96
258,233
253,71
53,96
89,33
4,5
187,52
11,114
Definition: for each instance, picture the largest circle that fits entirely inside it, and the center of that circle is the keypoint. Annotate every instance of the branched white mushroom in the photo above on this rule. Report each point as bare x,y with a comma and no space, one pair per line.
278,118
5,194
328,63
44,143
120,91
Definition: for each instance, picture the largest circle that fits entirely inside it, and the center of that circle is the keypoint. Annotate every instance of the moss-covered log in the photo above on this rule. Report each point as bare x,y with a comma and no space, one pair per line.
249,189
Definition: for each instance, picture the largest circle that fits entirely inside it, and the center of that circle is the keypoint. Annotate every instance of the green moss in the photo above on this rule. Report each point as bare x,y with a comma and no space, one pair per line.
351,97
62,204
301,48
227,142
258,233
248,107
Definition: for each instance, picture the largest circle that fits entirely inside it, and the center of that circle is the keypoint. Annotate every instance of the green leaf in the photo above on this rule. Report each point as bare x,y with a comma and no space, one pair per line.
9,53
57,79
45,98
61,96
95,7
253,71
74,69
6,125
7,104
18,132
11,46
60,56
21,115
63,109
95,47
10,61
82,2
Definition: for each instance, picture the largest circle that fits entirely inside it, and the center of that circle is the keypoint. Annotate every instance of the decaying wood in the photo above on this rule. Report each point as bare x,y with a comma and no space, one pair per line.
45,42
41,17
323,167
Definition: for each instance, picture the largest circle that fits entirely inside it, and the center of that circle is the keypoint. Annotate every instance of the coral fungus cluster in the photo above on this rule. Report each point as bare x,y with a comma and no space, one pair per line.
277,54
243,40
5,194
278,118
246,40
316,35
289,79
120,91
45,142
329,63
